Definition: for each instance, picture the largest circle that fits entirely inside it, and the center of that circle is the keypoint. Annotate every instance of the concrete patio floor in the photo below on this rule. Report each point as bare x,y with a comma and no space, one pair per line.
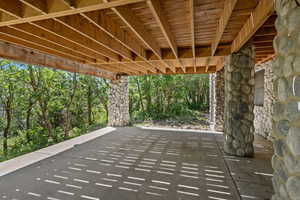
132,163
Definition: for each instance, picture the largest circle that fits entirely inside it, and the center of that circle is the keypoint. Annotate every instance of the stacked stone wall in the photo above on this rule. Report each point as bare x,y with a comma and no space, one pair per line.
212,100
239,97
263,114
220,98
216,108
286,124
118,103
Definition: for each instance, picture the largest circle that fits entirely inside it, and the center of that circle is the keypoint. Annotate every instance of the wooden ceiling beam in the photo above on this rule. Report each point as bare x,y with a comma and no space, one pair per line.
113,29
192,25
157,11
14,7
134,23
229,5
263,10
39,5
55,38
9,37
220,63
57,28
25,55
96,33
40,42
24,43
136,26
82,26
190,70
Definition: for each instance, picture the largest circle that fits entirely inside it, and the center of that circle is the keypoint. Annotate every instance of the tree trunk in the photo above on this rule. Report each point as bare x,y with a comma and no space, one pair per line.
7,127
68,119
28,118
89,102
140,95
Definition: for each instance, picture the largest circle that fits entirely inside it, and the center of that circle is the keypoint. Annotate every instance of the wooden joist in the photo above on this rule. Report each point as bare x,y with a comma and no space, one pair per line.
13,7
82,26
136,26
158,13
192,27
138,37
223,21
17,53
260,14
61,30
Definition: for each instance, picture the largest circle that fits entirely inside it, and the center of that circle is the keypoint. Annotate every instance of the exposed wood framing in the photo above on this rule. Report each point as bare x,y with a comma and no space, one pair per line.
220,63
14,8
208,59
192,24
138,37
223,21
17,53
260,14
134,23
158,13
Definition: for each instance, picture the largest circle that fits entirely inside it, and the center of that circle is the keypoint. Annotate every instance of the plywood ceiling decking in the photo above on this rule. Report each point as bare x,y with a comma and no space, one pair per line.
137,37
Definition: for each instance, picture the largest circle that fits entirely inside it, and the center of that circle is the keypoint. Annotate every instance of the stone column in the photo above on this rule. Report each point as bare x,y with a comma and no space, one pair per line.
212,100
220,98
239,102
286,118
217,100
118,102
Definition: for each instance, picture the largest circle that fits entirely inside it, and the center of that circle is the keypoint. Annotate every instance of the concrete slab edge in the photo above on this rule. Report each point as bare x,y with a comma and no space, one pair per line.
180,130
14,164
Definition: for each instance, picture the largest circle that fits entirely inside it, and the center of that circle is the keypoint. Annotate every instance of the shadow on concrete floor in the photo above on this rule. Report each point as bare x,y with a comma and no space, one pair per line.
132,163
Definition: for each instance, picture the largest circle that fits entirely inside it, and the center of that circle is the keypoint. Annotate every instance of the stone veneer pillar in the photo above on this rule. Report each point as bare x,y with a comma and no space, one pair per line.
212,100
286,118
118,102
217,100
239,97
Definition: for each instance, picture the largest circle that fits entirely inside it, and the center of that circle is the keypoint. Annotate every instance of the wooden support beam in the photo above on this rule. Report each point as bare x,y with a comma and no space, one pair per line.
7,37
55,38
229,5
40,42
192,24
95,32
190,70
59,29
82,26
112,28
263,10
157,12
134,23
14,8
11,7
136,26
17,53
207,64
39,5
220,63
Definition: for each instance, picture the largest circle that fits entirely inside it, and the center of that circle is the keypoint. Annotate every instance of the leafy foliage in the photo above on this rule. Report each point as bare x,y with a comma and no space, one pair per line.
168,96
41,106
